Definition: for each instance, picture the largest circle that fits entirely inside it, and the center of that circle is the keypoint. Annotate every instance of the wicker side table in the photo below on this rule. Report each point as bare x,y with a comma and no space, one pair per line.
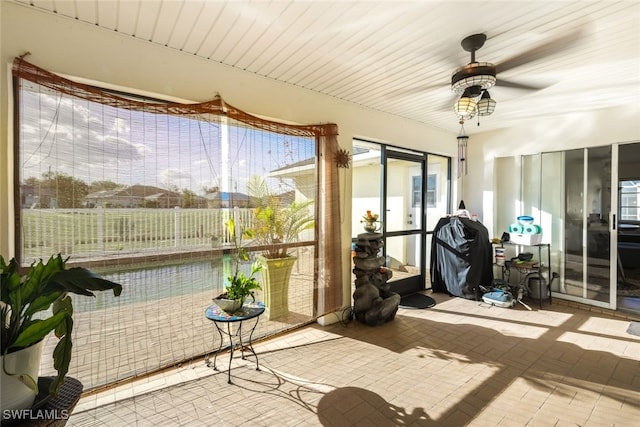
49,411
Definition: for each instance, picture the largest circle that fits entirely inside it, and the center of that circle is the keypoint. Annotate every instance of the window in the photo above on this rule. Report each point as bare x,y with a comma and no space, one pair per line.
432,188
431,191
629,196
140,191
416,191
161,179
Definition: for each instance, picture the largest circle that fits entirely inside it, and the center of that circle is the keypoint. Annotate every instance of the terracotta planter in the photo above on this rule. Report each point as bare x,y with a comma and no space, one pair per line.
13,393
275,284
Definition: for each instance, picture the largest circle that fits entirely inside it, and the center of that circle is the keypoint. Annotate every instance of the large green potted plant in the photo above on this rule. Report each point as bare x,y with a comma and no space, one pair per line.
26,319
240,285
277,224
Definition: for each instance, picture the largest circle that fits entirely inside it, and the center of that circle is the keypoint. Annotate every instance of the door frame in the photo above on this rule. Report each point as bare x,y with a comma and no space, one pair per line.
415,283
613,230
443,193
612,217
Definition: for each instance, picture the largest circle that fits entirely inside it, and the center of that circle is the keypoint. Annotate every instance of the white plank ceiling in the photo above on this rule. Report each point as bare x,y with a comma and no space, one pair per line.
398,56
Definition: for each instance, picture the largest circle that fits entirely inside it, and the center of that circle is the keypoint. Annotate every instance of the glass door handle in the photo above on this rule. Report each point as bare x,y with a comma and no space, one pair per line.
612,221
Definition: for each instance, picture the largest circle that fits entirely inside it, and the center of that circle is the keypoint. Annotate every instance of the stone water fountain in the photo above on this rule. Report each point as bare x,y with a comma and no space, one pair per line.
373,302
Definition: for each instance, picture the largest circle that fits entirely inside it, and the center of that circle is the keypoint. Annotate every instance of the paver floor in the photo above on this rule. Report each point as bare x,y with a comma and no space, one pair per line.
459,363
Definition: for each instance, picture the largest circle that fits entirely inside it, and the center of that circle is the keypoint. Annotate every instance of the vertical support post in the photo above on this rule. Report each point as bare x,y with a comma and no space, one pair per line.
176,226
100,227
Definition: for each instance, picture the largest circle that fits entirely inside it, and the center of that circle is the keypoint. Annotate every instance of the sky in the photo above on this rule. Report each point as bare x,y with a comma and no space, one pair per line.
94,142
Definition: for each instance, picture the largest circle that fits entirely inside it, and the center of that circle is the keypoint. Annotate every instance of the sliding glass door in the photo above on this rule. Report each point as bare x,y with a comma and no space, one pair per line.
589,219
588,203
628,228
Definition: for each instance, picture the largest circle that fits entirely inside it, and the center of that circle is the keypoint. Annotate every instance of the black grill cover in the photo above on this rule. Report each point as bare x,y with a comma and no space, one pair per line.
461,257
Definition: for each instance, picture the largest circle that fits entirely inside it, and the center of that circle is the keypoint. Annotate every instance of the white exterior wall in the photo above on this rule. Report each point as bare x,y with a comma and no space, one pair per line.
365,197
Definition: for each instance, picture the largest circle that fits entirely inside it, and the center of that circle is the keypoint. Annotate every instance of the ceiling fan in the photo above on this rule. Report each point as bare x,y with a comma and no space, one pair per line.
472,81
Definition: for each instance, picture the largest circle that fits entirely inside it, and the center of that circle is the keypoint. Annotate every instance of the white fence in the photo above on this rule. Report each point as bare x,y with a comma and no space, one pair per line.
104,232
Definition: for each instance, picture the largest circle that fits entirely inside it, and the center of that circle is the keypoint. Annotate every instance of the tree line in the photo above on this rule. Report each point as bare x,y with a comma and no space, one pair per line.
57,189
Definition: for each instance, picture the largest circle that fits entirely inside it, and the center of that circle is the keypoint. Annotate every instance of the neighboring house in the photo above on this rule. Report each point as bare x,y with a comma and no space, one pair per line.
32,198
136,196
230,200
302,173
223,199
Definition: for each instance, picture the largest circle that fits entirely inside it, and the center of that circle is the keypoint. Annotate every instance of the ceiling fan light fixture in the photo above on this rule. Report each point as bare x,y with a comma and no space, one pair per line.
486,106
482,74
467,105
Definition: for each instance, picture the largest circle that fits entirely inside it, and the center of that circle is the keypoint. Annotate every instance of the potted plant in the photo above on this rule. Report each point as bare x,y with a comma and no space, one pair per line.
240,285
215,240
277,224
371,223
25,321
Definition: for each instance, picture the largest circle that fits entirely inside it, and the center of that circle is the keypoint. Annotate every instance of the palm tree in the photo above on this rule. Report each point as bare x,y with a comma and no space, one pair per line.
277,223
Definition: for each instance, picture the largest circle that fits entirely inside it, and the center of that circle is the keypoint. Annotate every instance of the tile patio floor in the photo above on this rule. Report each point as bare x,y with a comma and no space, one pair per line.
458,363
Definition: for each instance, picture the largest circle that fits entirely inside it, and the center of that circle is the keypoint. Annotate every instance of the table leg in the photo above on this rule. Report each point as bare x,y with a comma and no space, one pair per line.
215,354
251,344
550,272
232,346
239,334
230,351
541,275
242,345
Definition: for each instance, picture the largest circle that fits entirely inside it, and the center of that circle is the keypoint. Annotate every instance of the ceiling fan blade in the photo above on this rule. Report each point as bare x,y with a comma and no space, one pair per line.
513,85
412,91
447,104
550,47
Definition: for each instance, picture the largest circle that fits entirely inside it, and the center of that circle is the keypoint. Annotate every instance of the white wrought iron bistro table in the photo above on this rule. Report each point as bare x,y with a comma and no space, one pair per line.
224,321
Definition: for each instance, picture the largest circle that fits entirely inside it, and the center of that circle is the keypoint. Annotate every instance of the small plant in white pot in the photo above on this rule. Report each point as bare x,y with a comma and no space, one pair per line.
240,285
25,320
